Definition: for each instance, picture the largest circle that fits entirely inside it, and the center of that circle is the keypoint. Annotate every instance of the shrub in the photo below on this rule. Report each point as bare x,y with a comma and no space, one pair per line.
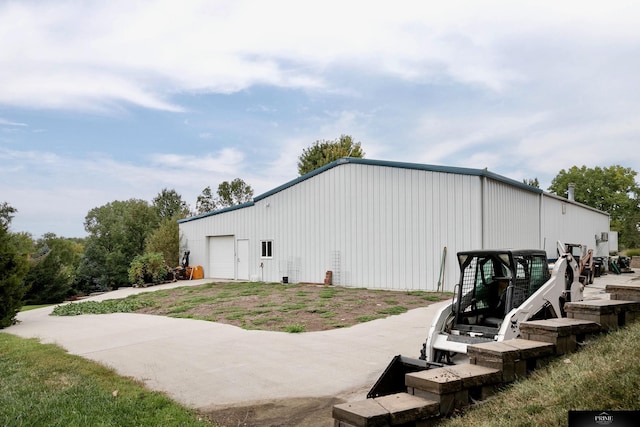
633,252
295,329
148,268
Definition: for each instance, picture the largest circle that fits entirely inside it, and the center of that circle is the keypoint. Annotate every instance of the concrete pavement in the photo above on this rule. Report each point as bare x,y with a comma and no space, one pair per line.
204,365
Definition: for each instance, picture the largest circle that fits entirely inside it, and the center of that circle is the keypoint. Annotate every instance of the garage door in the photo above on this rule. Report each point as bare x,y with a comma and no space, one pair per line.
222,257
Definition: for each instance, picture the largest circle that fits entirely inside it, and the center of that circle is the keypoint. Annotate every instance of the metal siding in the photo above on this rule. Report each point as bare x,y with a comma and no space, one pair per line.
571,223
387,225
512,217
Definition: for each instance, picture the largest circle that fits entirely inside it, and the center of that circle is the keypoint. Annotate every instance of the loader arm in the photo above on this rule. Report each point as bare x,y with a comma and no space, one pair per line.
553,293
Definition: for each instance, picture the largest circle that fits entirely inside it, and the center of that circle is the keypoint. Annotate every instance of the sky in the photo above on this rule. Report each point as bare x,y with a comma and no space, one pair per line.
114,100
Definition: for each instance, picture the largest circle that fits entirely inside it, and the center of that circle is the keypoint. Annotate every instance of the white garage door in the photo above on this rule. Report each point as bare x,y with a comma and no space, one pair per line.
222,257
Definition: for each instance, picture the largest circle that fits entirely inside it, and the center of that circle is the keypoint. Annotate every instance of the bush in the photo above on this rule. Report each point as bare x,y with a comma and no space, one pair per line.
148,268
632,252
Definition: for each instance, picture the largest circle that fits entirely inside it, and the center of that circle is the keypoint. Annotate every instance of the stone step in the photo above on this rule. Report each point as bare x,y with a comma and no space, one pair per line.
513,358
609,314
564,333
453,386
392,410
624,292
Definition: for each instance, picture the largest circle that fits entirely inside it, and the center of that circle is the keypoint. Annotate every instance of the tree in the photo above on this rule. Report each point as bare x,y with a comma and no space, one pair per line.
233,193
148,268
611,189
166,241
117,234
6,215
205,202
532,182
53,270
13,267
169,204
229,194
323,152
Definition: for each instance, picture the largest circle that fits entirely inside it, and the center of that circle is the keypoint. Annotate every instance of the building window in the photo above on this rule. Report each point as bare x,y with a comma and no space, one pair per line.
266,249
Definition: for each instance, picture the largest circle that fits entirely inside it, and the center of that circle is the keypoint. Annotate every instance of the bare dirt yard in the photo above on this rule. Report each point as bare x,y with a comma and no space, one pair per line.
283,307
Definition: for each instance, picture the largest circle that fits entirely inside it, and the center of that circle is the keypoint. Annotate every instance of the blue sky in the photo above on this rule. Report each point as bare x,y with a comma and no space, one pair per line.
104,101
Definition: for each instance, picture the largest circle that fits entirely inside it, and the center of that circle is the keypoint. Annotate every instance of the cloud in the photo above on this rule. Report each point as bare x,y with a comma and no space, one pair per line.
105,55
5,122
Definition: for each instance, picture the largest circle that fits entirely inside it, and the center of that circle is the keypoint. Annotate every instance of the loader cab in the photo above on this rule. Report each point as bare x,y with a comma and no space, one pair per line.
492,283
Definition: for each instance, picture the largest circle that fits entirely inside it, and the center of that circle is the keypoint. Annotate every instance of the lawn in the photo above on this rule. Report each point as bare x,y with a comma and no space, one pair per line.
267,306
43,385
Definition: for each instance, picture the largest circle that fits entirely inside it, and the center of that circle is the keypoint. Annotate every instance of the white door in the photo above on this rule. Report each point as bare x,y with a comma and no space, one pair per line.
222,257
243,259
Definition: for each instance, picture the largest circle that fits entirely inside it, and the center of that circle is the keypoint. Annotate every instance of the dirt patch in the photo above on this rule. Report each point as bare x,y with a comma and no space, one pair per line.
285,308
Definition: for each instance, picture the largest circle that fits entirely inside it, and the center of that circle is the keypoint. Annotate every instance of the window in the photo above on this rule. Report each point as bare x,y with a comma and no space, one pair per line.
266,249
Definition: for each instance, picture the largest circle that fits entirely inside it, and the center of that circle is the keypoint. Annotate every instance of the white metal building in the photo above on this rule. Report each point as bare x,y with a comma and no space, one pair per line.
380,224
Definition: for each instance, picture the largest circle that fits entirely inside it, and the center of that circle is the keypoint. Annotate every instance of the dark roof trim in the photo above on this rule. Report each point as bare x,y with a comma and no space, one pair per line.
401,165
354,160
573,202
229,209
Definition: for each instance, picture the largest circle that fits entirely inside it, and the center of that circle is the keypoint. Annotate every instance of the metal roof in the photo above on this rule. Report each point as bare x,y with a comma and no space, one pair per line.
384,163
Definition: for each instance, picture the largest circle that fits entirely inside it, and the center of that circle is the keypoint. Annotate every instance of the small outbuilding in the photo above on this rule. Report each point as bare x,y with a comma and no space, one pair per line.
384,225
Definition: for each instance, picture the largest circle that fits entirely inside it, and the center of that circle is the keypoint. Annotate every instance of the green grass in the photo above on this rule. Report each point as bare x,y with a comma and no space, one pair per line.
294,329
603,376
34,307
246,304
127,305
42,385
396,309
328,293
368,318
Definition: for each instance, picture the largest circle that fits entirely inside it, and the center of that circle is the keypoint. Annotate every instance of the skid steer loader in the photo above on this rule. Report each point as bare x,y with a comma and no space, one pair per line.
497,290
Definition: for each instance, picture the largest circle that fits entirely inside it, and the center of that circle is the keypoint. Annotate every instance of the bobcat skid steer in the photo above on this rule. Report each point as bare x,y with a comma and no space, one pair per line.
498,289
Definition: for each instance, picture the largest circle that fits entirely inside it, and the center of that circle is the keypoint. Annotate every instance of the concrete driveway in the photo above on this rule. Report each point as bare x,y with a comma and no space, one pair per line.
205,365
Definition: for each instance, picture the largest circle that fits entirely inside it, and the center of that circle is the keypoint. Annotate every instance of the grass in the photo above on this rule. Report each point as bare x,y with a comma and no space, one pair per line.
126,305
34,307
396,309
294,329
264,306
42,385
603,376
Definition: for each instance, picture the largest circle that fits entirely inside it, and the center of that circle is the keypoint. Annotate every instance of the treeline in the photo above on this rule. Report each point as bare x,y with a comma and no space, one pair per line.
128,242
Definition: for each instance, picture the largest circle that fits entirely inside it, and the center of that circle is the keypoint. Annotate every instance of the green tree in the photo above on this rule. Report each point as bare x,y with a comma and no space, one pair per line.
169,204
7,212
166,240
611,189
148,268
532,182
205,202
323,152
117,234
13,267
229,194
233,193
53,270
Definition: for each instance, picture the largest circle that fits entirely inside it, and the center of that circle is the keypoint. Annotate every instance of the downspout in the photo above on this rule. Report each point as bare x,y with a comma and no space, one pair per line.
541,240
483,212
